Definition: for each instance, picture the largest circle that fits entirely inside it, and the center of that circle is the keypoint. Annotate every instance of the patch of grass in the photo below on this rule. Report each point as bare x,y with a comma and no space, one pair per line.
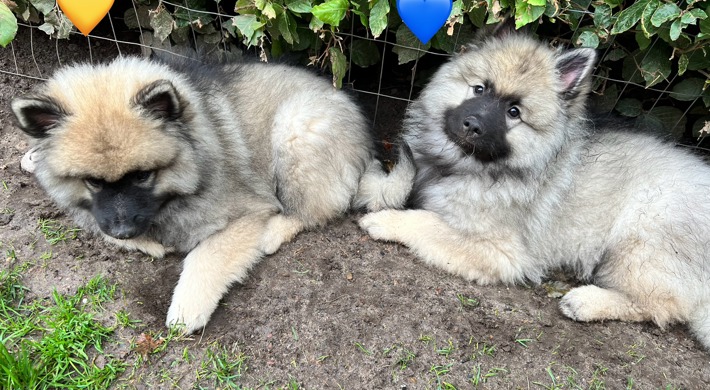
54,232
293,384
54,343
466,302
630,383
406,358
447,350
597,383
123,318
363,349
483,349
478,377
11,288
523,341
554,385
10,254
635,354
222,367
439,372
7,211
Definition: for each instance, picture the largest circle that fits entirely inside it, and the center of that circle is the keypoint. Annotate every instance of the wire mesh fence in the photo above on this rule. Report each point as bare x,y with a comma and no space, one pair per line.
386,86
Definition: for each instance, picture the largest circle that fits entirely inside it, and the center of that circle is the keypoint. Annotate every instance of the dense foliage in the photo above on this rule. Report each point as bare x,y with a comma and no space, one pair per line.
655,44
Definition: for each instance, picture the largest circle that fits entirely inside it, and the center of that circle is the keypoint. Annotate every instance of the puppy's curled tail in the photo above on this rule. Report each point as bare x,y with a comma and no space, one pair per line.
380,190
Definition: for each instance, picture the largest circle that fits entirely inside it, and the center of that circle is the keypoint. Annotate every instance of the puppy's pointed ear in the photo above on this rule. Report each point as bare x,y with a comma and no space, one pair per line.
36,115
161,100
575,69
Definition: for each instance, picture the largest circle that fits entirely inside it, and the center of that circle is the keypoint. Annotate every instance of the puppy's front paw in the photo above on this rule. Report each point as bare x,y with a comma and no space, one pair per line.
573,305
190,310
381,225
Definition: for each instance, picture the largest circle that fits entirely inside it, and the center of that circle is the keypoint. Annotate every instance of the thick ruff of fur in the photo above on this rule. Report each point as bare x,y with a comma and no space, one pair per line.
513,181
224,163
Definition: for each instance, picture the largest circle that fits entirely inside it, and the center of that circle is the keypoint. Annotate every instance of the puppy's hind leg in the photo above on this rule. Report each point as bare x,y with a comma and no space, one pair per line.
210,268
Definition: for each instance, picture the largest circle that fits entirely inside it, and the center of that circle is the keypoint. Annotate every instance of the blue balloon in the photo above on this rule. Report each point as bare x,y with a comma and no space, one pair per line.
424,17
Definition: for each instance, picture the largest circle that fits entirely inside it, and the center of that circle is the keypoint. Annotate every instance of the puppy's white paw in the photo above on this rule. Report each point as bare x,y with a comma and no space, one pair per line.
574,306
190,310
279,230
593,303
381,225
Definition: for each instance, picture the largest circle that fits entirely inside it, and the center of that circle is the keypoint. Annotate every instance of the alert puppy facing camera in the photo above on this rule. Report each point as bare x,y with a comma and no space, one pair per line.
513,180
224,163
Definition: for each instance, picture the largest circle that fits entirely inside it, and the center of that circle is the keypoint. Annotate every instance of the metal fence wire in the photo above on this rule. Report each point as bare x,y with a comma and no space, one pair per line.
385,88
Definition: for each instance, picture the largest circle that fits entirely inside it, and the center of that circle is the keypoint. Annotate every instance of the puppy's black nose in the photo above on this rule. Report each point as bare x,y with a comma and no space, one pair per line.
471,125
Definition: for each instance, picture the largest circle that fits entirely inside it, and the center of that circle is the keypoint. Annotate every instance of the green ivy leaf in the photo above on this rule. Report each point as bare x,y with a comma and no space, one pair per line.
378,17
648,28
602,16
250,28
671,118
331,12
540,3
364,53
526,12
587,38
655,66
613,3
675,30
8,25
57,24
629,107
43,6
688,19
356,11
407,39
269,11
642,40
698,13
338,65
664,13
477,16
629,17
699,59
315,24
615,55
162,23
682,64
688,89
286,24
299,6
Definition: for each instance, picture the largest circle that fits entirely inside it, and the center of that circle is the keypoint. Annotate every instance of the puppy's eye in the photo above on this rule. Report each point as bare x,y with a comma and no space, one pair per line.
94,184
142,177
514,112
478,89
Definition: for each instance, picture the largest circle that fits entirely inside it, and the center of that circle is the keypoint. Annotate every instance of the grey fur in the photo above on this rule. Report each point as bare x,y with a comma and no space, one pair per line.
628,212
242,157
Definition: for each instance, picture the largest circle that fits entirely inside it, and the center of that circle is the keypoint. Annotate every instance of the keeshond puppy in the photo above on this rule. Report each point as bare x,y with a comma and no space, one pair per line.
514,180
222,162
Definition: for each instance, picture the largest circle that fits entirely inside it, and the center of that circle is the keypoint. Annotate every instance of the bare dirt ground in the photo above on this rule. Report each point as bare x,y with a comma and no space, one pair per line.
332,309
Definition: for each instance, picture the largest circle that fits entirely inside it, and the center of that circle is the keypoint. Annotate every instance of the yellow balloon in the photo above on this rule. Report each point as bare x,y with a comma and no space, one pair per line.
85,14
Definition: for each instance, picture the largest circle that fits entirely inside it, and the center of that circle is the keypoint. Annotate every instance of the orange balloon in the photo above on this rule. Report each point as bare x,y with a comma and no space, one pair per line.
85,14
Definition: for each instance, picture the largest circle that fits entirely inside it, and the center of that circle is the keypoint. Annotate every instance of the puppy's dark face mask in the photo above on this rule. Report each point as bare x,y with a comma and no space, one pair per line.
479,125
124,208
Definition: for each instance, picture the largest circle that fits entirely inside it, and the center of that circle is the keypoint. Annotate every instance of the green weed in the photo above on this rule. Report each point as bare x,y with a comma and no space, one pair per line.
53,343
54,232
466,302
223,367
